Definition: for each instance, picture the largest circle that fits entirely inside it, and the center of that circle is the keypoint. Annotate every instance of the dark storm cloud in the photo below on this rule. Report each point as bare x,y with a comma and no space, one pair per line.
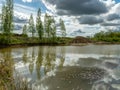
110,24
111,17
86,19
77,7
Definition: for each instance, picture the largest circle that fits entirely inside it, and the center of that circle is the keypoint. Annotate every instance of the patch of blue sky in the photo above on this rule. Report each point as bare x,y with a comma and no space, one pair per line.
117,1
34,4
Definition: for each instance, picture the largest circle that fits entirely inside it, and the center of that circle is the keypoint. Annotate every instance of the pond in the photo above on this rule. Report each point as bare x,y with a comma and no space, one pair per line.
91,67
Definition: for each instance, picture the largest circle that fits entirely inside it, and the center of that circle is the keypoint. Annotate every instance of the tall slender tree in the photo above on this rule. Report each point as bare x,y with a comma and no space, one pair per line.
24,30
7,19
31,25
47,27
3,16
50,27
45,24
39,25
53,29
63,29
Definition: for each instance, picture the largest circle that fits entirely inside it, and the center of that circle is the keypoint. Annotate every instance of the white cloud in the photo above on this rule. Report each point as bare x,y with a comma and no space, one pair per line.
50,7
113,11
109,3
72,24
116,8
27,0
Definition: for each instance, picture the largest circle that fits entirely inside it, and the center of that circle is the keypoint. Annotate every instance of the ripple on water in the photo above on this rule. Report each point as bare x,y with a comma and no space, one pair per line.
73,77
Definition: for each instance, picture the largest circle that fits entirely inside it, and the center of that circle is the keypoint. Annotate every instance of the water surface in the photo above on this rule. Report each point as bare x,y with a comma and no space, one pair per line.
92,67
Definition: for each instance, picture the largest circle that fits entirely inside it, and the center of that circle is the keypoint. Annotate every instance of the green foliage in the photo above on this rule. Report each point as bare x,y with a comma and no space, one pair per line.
63,29
47,25
46,30
50,29
7,21
39,25
7,17
107,36
24,33
4,40
6,73
31,25
53,32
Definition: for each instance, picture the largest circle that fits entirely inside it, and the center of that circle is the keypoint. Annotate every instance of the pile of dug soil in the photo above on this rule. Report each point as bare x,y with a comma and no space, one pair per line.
80,39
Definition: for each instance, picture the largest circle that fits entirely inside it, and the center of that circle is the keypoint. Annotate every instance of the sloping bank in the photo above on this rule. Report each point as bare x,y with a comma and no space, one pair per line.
17,40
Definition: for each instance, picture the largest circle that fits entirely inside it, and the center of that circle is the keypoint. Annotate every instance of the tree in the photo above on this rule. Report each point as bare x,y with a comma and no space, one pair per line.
7,20
8,17
24,30
62,27
39,26
53,29
31,25
3,16
50,28
47,25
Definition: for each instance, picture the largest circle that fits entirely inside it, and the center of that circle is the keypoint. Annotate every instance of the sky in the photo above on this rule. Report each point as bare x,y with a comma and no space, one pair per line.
81,17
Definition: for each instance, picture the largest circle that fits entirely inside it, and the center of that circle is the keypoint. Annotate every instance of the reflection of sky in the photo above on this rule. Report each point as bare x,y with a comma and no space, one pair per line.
74,56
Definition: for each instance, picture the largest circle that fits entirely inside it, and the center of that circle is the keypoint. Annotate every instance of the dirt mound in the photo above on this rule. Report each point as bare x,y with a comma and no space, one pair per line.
80,39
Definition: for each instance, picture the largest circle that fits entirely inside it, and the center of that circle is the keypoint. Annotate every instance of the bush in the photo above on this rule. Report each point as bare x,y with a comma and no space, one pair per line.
107,36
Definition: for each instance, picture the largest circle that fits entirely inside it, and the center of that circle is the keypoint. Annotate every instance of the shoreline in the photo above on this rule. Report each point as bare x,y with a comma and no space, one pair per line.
31,44
53,44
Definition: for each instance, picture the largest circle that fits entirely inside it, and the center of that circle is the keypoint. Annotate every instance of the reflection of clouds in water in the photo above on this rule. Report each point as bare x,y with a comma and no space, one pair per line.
100,86
115,73
116,86
51,73
35,86
75,57
110,63
57,62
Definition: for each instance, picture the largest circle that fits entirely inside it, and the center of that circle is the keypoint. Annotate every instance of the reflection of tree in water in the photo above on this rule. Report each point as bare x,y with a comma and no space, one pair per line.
50,57
62,57
53,57
39,62
25,57
31,64
6,70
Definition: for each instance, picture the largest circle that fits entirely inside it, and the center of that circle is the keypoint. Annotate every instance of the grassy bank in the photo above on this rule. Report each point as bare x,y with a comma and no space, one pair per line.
16,40
23,40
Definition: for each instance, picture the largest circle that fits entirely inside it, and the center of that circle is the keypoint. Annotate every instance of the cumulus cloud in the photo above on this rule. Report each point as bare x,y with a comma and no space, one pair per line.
110,24
78,7
113,16
20,20
90,19
77,14
27,0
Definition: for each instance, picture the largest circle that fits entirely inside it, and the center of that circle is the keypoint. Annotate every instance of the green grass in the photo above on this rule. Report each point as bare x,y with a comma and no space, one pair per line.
16,39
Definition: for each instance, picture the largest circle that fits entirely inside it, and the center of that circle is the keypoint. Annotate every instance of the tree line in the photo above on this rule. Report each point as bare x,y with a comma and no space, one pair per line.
46,29
109,36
